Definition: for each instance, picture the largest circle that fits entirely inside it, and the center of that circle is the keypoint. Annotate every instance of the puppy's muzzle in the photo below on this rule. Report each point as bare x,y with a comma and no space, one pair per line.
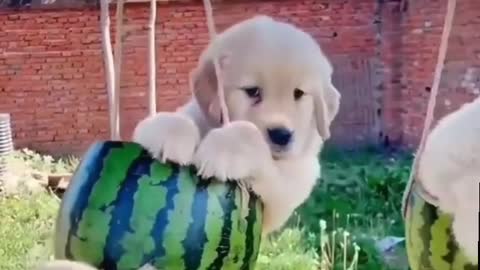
280,136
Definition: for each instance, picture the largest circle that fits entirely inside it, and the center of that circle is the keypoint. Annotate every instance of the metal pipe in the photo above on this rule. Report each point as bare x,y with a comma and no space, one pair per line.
6,141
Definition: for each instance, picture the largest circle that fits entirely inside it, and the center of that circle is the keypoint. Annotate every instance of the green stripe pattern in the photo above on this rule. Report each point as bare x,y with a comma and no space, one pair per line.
93,227
429,238
139,211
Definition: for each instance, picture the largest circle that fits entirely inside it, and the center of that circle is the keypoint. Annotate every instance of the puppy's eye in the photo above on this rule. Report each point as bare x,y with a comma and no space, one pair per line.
252,92
298,94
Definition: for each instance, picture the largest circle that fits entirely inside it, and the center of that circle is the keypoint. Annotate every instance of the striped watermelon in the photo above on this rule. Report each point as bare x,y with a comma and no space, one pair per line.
123,210
430,242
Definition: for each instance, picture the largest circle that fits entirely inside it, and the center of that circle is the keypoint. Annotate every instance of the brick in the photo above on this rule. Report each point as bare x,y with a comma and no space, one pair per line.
52,73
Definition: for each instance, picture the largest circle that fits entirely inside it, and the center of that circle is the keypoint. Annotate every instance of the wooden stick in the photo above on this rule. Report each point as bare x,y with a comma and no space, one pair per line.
152,92
118,65
108,62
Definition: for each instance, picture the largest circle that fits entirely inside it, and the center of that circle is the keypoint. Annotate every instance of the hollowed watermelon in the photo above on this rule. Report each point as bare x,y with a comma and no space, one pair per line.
430,242
123,209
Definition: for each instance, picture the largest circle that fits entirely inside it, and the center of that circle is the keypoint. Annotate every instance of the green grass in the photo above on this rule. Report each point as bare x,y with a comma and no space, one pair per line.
26,223
360,190
360,194
357,202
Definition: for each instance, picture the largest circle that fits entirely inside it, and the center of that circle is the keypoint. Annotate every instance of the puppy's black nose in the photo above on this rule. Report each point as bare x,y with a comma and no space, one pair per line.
279,136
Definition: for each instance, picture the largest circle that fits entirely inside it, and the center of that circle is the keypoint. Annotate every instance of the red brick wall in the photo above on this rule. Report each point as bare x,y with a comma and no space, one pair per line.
51,67
51,70
412,43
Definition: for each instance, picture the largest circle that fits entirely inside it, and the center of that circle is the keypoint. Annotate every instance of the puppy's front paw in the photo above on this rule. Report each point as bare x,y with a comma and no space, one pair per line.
236,151
168,136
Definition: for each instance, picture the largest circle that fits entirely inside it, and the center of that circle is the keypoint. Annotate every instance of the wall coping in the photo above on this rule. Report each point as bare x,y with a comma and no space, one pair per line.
6,5
68,4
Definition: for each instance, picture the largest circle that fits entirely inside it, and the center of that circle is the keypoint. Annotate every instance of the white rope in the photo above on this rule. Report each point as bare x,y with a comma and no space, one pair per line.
244,188
118,55
220,91
431,107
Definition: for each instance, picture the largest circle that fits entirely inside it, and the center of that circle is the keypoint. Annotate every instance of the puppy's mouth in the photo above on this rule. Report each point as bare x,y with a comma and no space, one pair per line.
279,152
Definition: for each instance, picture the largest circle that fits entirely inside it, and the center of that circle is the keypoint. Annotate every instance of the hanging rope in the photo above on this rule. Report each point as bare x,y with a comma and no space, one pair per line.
244,187
109,70
152,90
447,27
118,55
220,91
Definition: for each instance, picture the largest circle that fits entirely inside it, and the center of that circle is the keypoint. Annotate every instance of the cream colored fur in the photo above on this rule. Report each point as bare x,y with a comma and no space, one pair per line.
278,58
449,169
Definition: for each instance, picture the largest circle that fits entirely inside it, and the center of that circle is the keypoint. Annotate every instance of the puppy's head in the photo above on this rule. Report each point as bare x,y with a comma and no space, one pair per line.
275,76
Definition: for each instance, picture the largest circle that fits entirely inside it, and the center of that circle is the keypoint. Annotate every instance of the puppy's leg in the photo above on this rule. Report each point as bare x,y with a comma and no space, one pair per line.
168,136
285,188
233,152
238,151
450,170
465,220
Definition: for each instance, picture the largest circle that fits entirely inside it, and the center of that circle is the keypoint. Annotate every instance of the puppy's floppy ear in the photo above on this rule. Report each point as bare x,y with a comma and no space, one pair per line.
327,103
203,82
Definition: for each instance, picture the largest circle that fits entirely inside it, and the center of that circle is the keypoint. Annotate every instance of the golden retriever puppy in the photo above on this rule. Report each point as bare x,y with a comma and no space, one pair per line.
449,169
281,100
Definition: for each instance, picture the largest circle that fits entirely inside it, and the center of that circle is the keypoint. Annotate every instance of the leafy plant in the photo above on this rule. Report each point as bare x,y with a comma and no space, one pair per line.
295,248
42,163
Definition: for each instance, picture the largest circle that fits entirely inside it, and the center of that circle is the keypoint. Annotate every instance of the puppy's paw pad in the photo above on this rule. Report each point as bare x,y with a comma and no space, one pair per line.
168,136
